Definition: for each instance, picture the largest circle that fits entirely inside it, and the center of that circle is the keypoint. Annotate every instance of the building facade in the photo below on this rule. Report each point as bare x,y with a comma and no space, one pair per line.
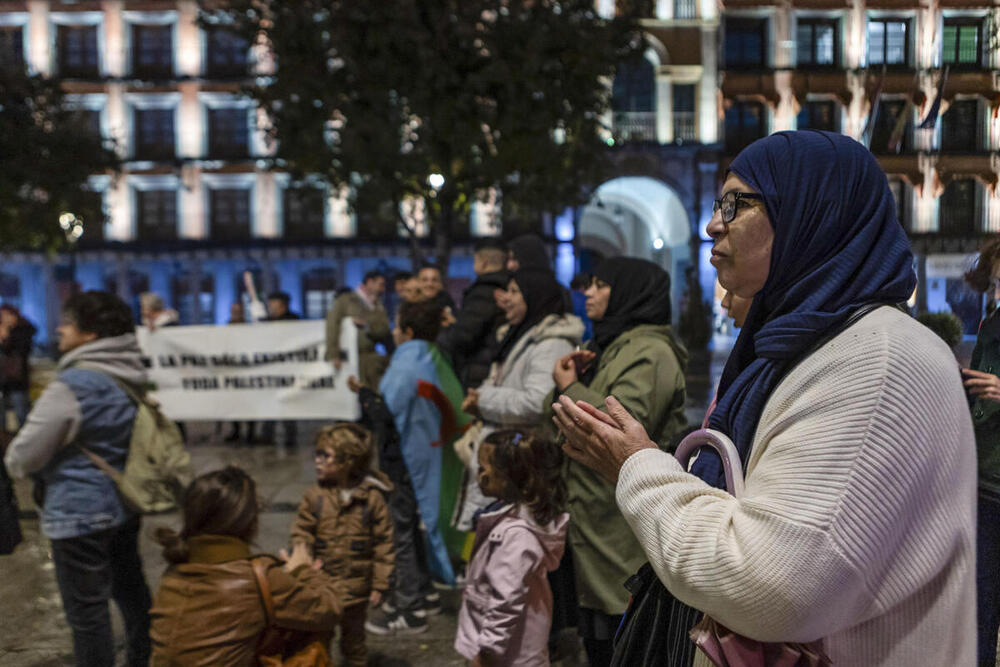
665,133
194,207
875,70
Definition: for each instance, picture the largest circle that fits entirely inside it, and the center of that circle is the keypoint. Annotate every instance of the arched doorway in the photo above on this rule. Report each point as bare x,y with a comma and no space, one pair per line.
639,216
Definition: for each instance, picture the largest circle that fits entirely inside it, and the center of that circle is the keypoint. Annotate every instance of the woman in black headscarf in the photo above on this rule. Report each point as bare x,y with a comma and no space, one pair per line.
636,357
513,395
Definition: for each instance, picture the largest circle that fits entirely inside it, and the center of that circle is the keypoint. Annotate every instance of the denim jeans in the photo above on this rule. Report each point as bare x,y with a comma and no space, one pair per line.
988,578
17,401
92,569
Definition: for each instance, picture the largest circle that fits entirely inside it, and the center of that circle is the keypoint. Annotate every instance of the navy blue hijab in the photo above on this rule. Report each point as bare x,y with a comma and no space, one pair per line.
837,247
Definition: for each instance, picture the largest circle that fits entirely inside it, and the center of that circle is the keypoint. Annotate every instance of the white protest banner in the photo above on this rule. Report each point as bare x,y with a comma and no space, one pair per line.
268,370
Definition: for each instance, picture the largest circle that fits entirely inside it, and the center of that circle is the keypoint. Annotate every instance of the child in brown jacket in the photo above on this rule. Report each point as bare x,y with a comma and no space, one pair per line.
344,520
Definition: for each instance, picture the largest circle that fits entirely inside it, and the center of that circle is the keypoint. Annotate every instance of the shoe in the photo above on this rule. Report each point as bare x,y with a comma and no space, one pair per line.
397,623
429,606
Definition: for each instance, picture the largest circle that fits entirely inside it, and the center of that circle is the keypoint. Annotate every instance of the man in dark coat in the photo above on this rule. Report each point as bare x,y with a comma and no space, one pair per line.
470,341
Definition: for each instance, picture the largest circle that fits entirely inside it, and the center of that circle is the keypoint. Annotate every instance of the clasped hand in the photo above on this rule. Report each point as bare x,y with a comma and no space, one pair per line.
568,368
982,385
598,440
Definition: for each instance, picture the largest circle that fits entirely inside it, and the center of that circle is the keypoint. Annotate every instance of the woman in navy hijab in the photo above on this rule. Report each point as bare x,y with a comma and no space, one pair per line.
856,526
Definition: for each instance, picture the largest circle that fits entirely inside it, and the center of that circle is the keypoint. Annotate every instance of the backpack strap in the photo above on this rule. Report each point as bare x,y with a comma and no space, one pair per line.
135,394
260,575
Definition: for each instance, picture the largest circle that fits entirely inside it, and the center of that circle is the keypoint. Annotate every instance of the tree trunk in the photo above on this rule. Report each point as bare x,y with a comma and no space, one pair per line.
442,232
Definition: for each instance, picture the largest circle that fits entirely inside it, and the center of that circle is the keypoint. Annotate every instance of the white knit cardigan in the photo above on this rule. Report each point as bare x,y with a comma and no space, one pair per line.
857,524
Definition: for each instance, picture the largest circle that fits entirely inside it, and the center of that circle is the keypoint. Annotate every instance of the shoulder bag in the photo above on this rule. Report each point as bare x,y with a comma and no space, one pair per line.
284,648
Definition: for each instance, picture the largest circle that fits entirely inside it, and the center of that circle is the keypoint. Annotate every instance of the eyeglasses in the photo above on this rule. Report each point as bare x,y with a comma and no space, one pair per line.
732,201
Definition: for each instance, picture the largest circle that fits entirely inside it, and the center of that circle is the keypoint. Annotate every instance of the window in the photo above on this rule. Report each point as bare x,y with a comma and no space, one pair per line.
888,42
12,48
745,43
228,133
77,47
957,208
961,42
229,214
304,213
822,115
154,134
960,127
684,118
685,9
226,54
817,42
884,135
319,289
633,87
194,295
745,123
157,215
152,51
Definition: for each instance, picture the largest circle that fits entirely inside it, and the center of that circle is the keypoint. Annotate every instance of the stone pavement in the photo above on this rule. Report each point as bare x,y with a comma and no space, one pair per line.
33,632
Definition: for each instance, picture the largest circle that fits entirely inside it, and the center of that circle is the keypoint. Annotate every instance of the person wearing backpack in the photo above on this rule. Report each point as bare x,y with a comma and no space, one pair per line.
86,415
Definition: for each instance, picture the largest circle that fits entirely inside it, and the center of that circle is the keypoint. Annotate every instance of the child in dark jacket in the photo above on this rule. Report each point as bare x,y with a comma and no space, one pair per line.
344,520
507,604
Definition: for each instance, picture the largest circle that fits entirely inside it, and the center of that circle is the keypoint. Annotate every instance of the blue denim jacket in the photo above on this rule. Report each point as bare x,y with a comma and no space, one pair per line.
79,498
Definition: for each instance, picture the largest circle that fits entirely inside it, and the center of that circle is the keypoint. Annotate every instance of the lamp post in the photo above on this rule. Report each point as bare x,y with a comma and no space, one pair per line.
72,227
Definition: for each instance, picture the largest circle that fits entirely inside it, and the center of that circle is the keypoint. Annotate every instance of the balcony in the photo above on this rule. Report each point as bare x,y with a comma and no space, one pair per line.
831,82
751,84
634,125
685,126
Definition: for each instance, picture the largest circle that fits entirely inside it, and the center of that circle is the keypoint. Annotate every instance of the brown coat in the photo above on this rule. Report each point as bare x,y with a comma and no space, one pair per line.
208,611
376,330
352,539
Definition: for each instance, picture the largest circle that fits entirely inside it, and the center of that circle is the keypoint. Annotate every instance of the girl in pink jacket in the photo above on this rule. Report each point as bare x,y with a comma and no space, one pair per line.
507,605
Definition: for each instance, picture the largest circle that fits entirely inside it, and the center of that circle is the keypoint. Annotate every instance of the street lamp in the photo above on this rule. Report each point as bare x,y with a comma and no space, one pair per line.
72,227
436,181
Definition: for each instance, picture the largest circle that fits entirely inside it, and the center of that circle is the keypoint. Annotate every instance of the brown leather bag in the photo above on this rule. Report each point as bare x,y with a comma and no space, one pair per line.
286,648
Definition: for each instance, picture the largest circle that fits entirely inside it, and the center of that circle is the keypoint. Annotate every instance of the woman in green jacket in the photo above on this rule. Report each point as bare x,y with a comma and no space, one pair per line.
635,357
983,386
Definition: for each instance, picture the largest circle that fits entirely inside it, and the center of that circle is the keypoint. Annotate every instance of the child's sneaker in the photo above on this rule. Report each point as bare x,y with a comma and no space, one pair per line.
397,623
429,606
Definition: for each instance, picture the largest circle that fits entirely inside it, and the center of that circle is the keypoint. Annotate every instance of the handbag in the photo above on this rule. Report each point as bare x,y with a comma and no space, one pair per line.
655,630
652,631
285,648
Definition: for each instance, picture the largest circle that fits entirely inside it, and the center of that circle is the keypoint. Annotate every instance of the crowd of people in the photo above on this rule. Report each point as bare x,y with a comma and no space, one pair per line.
519,447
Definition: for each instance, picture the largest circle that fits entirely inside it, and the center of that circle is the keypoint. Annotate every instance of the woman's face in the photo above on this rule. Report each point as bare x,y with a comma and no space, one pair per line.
598,295
514,305
742,250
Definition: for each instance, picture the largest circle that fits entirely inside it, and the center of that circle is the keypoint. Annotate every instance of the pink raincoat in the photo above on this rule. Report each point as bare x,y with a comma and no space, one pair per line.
507,604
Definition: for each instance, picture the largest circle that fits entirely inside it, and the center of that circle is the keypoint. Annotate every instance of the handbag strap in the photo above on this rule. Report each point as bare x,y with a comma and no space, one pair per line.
260,574
726,450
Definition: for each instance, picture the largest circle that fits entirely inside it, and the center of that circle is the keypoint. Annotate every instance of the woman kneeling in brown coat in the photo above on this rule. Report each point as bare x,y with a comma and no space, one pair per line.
209,609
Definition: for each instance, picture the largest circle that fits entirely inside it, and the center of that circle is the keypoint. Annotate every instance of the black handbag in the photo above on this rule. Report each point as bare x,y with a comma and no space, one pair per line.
654,630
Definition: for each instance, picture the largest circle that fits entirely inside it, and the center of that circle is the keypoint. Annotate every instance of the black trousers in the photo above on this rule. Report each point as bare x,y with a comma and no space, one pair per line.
411,578
92,569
